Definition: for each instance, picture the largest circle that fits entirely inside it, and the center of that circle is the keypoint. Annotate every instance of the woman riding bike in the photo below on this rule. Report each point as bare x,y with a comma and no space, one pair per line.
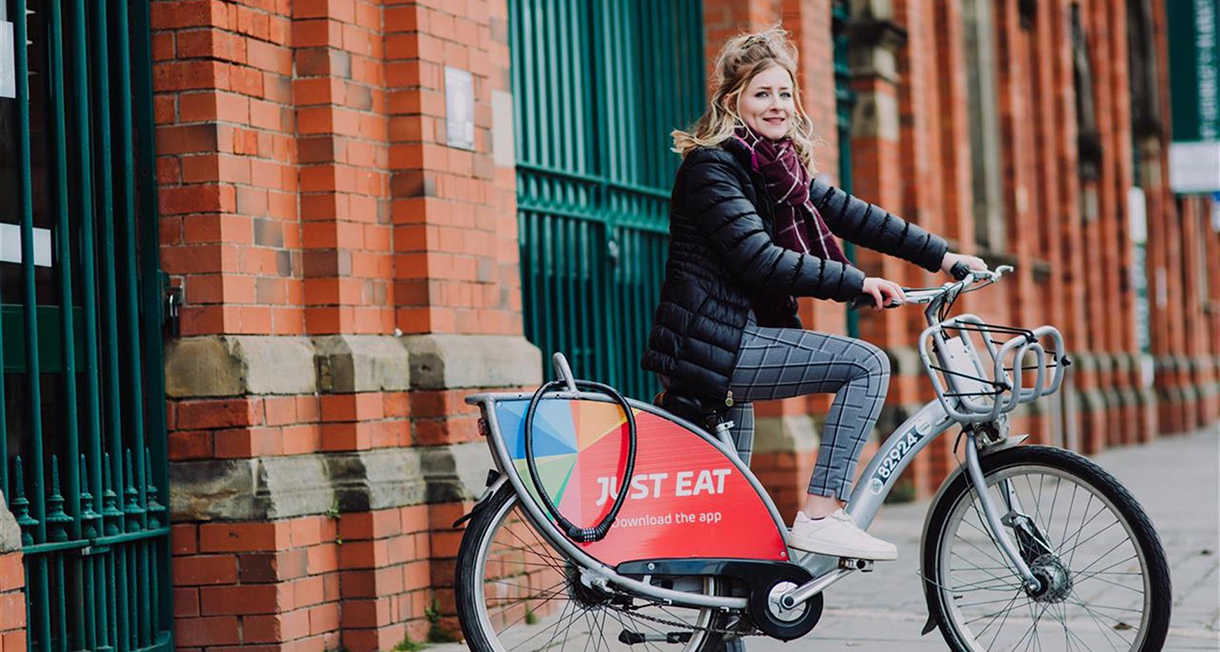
751,227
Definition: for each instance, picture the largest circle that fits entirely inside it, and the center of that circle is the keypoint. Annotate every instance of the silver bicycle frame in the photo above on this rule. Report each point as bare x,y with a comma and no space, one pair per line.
878,479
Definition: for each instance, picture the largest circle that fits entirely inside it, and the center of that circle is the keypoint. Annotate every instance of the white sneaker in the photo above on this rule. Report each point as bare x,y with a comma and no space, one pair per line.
837,535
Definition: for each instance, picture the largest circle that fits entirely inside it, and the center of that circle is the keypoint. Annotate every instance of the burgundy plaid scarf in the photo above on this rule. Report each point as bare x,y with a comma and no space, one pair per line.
798,226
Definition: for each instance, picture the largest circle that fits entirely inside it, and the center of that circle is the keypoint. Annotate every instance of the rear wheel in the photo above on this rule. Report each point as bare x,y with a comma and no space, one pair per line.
1105,582
517,593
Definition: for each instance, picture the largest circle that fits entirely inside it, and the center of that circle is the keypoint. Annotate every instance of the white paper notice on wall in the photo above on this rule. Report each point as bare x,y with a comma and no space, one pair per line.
8,62
1137,211
10,245
459,108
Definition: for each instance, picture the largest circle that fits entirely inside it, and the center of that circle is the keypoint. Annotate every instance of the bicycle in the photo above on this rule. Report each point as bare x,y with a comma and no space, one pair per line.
687,551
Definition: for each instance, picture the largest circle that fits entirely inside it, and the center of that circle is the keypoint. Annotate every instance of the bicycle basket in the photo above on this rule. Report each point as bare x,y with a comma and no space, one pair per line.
976,387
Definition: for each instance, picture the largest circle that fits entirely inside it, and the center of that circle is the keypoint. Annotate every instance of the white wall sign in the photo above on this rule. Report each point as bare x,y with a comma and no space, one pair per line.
1194,167
8,62
459,108
1137,209
10,245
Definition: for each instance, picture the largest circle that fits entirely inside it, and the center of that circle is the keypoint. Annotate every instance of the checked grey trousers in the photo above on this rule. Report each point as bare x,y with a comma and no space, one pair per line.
776,363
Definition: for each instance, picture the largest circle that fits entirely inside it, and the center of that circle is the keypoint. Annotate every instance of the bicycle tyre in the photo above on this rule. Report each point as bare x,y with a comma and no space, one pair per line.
1005,464
471,579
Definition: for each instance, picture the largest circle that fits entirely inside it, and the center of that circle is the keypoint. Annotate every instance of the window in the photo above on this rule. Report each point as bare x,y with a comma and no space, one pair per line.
979,31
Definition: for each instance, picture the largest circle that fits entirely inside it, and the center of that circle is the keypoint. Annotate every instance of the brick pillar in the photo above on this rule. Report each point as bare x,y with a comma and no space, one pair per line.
12,584
340,99
349,278
1118,177
1164,268
1211,321
1066,216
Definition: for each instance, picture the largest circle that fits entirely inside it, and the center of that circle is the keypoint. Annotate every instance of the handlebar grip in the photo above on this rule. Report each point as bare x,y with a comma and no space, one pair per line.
959,271
867,301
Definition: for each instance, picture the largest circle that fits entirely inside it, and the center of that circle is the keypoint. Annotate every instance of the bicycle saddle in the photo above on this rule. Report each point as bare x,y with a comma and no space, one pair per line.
698,410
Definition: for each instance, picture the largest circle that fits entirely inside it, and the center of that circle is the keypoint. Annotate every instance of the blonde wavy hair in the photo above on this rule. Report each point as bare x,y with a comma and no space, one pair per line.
741,58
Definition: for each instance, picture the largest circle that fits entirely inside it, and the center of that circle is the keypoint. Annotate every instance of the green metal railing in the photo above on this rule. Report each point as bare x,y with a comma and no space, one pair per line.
597,88
845,102
82,423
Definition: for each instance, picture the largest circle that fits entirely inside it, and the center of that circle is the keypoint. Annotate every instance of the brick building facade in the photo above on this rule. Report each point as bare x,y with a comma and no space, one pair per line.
349,277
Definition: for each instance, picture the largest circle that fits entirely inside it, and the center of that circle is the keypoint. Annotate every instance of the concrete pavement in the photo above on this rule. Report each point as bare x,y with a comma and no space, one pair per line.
1176,479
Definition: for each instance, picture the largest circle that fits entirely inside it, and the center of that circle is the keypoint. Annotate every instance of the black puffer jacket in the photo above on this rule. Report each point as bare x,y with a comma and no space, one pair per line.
722,263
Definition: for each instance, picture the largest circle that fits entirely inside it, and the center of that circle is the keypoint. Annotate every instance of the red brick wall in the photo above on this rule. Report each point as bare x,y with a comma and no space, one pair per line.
306,186
360,581
307,190
12,602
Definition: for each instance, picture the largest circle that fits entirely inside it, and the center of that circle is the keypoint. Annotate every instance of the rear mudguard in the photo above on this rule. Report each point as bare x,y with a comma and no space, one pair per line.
495,480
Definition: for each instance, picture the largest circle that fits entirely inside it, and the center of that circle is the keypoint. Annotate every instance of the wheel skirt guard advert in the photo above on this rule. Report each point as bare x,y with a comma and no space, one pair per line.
685,500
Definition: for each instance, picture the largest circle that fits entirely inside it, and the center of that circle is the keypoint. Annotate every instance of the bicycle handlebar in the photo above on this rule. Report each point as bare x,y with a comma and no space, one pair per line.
966,280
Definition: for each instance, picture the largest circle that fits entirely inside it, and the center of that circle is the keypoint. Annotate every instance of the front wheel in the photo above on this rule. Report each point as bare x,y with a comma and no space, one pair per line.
1105,581
516,592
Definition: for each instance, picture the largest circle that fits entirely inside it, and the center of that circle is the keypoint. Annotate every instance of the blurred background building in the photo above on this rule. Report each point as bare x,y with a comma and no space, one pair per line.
254,254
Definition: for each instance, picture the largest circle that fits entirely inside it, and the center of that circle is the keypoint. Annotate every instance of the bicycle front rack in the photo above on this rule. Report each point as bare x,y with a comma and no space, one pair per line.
973,391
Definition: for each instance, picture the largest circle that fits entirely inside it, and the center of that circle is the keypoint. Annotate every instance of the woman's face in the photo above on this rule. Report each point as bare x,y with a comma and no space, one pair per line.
767,105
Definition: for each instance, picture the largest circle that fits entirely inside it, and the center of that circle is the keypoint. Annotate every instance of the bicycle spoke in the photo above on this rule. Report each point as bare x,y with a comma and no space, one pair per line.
586,617
1033,626
981,551
1121,586
1069,633
1066,521
1079,575
1103,556
601,625
994,614
1054,499
1101,510
1106,632
985,530
558,623
983,602
999,629
524,615
1106,607
1080,531
565,630
536,549
1096,534
977,586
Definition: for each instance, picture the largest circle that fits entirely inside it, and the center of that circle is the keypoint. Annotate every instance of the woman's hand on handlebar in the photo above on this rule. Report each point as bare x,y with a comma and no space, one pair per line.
885,293
973,263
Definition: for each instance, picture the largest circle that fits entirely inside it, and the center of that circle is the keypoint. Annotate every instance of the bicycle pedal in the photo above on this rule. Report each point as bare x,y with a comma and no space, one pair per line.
862,565
627,637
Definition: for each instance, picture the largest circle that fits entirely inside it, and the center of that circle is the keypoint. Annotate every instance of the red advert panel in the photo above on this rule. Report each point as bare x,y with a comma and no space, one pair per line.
685,499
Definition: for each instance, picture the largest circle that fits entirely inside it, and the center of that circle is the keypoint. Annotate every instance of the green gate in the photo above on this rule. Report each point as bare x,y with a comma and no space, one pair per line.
597,87
82,422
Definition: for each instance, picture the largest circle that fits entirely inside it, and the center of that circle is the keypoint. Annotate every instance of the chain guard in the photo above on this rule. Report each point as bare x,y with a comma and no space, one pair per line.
759,577
762,612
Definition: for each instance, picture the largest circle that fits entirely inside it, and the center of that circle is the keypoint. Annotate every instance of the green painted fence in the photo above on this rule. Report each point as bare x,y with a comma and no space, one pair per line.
597,88
82,423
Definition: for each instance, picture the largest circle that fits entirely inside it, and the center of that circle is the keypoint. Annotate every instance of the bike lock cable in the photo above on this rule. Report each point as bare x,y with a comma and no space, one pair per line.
575,532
